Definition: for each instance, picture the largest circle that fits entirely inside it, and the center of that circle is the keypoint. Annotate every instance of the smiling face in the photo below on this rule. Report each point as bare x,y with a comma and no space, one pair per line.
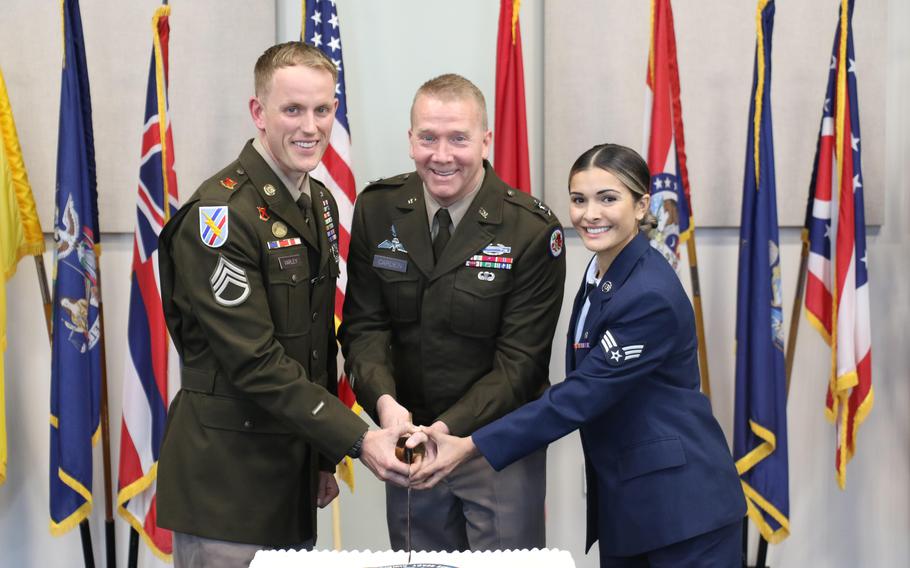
294,116
448,145
605,213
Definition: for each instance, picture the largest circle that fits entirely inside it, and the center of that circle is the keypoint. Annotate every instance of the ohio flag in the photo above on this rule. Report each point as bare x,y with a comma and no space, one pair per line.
152,364
837,287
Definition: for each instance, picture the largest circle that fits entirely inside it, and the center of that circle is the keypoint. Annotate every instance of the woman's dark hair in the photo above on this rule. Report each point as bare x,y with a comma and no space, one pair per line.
624,163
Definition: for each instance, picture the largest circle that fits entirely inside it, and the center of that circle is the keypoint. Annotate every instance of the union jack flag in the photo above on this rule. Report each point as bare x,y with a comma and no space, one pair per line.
320,29
837,287
666,148
152,364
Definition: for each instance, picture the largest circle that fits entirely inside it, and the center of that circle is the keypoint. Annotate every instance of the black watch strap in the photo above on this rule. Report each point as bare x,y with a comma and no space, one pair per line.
355,450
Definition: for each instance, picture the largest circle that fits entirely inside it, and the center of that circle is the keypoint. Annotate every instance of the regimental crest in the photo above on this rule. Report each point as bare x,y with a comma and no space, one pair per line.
394,244
228,183
263,213
230,285
617,355
556,242
213,225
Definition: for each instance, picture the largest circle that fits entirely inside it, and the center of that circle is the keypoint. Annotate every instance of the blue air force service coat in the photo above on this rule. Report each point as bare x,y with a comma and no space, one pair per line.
657,463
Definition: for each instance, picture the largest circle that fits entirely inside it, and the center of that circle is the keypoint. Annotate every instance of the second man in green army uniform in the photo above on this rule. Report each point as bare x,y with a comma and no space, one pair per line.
455,283
248,269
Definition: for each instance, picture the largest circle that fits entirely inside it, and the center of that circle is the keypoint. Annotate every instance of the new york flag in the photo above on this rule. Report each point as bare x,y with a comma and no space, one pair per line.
837,287
152,365
665,151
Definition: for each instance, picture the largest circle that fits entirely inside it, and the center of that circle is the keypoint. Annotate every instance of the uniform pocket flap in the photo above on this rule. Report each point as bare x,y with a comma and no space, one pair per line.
238,415
483,283
289,267
651,456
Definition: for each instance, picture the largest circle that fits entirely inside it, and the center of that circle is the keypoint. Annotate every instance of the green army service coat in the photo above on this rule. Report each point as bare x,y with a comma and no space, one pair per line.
250,307
466,339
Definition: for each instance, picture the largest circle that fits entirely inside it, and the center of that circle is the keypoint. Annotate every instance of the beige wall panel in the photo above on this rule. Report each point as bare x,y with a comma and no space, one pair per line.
213,47
594,69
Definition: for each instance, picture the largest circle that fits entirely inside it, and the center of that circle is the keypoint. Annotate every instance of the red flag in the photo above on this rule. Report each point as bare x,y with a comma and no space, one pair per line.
510,141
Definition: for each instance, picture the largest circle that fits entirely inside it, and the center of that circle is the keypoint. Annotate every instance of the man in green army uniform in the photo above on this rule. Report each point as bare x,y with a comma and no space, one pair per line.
248,269
455,283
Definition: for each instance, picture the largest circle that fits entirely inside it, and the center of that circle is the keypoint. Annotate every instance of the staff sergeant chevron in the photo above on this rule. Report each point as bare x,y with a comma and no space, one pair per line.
229,283
615,354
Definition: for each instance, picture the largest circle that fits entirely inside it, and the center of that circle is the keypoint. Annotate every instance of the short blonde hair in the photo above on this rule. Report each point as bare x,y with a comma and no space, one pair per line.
289,54
450,87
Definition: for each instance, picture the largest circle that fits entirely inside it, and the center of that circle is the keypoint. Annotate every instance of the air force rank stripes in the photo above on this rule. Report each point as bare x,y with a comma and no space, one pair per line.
229,283
617,355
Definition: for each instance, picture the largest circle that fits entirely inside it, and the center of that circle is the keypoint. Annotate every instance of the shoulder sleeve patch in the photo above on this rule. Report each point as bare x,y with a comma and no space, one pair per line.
213,225
556,242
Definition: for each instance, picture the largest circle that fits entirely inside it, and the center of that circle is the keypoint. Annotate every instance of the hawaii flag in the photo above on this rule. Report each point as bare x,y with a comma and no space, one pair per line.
666,148
837,287
152,365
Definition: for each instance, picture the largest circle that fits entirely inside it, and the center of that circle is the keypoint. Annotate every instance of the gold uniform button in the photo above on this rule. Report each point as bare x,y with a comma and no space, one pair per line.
247,424
269,189
293,278
314,316
315,355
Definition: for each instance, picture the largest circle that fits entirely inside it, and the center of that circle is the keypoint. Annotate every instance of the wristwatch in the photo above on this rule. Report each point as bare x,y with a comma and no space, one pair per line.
355,450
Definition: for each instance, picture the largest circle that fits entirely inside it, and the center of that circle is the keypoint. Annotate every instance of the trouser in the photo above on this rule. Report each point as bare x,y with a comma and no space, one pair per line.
474,508
191,551
720,548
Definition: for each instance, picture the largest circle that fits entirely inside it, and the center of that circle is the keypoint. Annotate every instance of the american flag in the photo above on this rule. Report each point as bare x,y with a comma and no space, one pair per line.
837,287
152,366
320,28
665,151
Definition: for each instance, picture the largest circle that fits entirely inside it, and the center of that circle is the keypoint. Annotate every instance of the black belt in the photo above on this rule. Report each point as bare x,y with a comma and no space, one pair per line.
205,381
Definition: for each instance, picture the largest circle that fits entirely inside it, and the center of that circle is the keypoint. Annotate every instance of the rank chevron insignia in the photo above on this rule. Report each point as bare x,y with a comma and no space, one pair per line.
229,283
617,355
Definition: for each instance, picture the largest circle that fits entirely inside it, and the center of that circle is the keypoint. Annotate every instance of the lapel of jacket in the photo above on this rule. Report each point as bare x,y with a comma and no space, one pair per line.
411,224
474,231
613,280
326,225
279,202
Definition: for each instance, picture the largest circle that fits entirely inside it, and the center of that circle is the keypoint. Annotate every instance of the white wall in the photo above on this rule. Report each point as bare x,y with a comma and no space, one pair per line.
391,47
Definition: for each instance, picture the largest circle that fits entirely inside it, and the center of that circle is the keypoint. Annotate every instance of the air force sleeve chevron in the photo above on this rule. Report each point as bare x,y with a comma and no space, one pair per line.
617,355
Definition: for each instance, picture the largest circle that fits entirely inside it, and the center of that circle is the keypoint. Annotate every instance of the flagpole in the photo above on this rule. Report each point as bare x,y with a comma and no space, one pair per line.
45,296
795,313
336,523
699,317
106,437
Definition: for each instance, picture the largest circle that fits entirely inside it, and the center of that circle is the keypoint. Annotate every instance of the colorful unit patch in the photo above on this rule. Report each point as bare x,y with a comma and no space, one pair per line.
213,225
228,183
484,261
617,355
284,243
556,242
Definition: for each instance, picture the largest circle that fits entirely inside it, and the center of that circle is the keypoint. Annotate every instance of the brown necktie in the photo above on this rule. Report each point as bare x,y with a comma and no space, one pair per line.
443,221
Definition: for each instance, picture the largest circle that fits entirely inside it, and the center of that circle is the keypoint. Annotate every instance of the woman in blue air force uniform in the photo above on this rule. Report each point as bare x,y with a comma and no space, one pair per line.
662,487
